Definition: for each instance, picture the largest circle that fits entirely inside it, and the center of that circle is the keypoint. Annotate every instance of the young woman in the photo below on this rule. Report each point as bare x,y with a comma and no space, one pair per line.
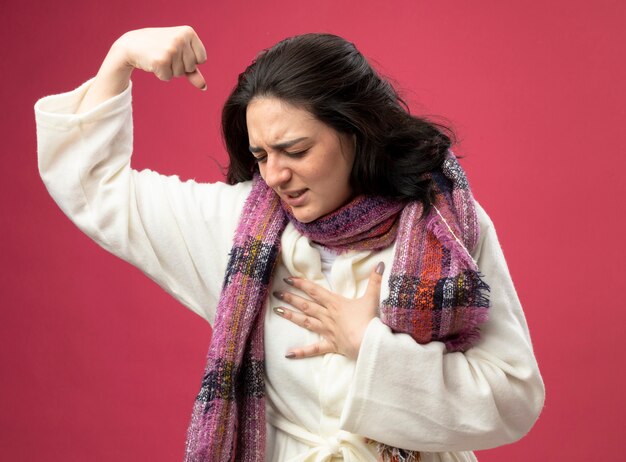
361,306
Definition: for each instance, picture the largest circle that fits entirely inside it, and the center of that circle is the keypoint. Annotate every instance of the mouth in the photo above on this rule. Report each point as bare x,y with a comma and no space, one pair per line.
295,194
295,198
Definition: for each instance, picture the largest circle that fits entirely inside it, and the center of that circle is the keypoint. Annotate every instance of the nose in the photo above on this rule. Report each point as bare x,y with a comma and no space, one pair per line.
275,171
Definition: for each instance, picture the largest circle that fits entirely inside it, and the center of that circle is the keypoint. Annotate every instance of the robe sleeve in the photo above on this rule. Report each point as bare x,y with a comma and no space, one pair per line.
419,397
178,233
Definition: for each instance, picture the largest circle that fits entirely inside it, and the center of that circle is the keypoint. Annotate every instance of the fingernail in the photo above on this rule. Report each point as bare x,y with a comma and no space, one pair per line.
288,281
380,268
290,355
203,88
278,310
278,295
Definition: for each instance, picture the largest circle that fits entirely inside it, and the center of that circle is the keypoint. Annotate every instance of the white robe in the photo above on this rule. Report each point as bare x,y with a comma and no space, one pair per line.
398,392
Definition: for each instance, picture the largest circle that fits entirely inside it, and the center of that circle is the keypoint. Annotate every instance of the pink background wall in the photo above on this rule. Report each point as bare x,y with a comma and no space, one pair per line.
98,364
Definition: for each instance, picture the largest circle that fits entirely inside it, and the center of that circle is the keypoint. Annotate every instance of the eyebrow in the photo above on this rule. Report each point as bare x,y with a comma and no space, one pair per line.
283,145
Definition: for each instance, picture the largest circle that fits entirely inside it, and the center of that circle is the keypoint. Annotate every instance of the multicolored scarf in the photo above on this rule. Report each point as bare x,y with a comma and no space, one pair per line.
436,294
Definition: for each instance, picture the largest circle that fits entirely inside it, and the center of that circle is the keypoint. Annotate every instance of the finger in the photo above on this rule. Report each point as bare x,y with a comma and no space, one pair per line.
189,58
178,66
375,281
315,291
309,351
198,48
302,320
164,73
196,79
307,307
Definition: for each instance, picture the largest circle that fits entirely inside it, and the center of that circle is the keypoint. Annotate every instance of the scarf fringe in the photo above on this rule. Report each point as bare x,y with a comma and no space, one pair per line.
472,325
390,454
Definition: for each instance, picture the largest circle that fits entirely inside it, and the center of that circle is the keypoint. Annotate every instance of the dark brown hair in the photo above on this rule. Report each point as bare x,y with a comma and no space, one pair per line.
326,75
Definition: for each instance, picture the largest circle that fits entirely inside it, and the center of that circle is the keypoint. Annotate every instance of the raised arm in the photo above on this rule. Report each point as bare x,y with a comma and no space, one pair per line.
178,233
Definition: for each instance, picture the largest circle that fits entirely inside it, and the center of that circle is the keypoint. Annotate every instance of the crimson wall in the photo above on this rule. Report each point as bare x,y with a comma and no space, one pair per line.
99,364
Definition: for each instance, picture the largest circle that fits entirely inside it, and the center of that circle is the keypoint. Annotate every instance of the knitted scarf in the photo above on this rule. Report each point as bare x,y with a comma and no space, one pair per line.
435,294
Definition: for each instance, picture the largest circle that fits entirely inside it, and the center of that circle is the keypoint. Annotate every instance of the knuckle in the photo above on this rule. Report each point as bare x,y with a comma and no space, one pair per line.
306,323
161,61
316,349
305,307
180,42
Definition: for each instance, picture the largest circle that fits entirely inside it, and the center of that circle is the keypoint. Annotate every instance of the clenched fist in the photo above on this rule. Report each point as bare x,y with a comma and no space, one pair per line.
166,52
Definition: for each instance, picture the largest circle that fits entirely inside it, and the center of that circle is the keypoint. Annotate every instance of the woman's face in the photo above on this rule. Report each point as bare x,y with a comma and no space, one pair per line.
306,162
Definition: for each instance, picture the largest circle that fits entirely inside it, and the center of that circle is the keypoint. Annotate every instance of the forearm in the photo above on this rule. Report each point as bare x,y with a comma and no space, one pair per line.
112,78
178,233
420,398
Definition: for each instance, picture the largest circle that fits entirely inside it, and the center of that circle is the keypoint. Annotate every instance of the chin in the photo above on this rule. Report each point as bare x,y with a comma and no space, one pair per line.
304,216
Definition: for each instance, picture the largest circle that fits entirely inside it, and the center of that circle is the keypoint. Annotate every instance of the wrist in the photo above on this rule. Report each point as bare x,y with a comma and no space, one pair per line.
357,340
113,78
117,60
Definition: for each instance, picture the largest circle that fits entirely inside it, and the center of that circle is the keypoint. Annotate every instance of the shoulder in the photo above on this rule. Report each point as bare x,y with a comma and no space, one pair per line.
486,227
484,221
223,200
197,206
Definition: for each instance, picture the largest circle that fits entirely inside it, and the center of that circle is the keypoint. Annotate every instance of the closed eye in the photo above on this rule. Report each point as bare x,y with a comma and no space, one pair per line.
297,154
294,155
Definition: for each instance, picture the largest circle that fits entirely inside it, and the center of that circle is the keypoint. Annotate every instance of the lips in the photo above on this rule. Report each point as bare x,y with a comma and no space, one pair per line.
295,198
296,194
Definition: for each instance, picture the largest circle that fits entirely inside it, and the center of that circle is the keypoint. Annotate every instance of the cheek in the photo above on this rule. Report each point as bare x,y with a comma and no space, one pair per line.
344,173
261,170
